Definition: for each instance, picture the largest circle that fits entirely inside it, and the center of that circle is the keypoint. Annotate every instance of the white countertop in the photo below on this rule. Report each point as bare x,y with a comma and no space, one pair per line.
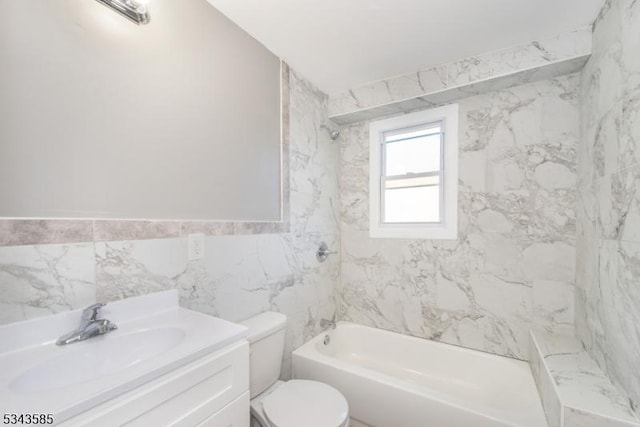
29,344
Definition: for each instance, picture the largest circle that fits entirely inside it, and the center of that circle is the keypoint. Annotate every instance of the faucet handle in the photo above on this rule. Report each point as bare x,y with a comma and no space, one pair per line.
323,252
91,313
98,327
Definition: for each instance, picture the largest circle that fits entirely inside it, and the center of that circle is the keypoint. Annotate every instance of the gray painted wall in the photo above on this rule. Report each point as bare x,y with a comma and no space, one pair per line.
99,117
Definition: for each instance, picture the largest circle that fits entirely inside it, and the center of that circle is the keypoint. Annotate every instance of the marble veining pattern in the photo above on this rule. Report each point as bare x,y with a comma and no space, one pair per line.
455,93
513,264
514,66
608,220
585,394
40,232
247,267
131,268
546,385
46,279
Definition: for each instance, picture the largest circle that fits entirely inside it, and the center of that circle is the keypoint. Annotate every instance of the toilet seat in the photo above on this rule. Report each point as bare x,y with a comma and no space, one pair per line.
306,403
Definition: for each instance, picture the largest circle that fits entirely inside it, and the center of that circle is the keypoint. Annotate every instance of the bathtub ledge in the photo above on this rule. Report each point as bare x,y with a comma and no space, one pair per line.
573,390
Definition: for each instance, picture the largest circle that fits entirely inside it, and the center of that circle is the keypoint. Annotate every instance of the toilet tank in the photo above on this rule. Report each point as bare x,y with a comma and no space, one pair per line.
266,344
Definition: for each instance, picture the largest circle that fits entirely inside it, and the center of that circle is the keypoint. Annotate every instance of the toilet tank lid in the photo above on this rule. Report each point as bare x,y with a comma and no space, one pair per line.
264,324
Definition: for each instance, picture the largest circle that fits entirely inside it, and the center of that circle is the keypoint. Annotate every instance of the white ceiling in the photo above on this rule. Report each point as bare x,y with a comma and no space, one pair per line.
340,44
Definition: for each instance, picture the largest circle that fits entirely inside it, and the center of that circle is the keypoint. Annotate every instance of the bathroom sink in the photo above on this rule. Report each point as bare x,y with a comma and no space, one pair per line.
154,337
95,358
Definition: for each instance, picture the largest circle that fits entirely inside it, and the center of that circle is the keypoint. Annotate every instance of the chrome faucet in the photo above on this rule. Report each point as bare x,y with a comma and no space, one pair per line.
90,326
326,323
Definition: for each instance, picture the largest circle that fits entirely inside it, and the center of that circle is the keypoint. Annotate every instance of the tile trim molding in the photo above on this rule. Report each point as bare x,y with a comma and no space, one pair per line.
18,232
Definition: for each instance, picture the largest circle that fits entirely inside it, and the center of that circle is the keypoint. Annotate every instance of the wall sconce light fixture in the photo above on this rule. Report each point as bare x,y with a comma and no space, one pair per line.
135,10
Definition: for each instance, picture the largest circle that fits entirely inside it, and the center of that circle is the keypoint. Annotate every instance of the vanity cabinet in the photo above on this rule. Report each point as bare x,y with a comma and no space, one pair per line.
211,391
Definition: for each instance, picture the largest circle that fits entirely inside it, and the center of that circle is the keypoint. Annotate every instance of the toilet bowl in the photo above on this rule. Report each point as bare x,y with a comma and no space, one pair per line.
294,403
300,403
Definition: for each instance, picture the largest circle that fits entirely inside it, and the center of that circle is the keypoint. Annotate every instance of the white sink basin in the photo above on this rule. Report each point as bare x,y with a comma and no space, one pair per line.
154,337
102,356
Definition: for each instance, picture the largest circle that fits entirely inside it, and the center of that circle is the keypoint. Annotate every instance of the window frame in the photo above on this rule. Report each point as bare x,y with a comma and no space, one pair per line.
447,228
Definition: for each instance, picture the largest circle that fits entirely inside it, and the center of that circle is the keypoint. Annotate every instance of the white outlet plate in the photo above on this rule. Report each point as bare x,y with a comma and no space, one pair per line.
196,246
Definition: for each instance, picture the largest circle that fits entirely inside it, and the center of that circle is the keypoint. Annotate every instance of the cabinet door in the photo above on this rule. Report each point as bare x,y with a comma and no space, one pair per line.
235,414
181,398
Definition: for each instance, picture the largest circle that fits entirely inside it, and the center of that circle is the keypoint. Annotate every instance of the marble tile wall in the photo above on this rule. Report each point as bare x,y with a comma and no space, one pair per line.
451,94
573,390
384,96
608,219
241,274
513,264
547,389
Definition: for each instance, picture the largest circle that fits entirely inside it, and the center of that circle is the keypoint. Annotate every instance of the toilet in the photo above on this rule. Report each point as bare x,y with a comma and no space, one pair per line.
293,403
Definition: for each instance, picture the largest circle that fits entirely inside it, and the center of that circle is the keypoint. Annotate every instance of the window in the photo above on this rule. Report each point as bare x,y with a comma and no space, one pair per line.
413,178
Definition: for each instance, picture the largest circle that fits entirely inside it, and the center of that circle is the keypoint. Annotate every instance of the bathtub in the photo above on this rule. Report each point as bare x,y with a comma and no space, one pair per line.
394,380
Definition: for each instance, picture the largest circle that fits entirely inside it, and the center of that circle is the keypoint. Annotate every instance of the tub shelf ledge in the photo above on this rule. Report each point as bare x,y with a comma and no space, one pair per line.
573,389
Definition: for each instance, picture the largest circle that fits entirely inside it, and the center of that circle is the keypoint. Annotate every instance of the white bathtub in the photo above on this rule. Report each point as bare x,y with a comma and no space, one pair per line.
393,380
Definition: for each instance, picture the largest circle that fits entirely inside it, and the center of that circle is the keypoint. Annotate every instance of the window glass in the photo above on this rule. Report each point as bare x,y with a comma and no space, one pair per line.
412,205
411,169
413,155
